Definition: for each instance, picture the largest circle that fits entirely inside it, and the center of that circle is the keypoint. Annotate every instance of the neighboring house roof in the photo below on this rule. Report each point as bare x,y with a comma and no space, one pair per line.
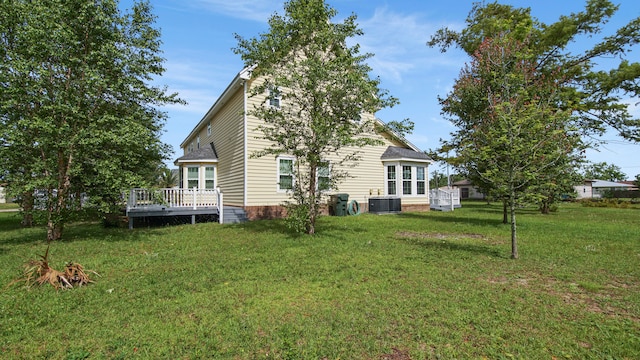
465,182
608,184
205,153
400,153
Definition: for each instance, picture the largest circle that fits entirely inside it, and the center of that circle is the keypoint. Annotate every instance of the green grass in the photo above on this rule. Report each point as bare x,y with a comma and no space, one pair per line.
418,285
9,206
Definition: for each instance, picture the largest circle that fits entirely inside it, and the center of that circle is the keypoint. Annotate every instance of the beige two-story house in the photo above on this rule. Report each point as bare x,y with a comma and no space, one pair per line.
217,153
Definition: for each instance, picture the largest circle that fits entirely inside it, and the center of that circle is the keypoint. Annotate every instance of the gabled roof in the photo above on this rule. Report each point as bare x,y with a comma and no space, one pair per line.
400,153
238,81
205,153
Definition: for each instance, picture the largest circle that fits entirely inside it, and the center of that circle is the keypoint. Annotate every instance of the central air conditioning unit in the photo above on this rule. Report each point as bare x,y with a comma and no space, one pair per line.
385,205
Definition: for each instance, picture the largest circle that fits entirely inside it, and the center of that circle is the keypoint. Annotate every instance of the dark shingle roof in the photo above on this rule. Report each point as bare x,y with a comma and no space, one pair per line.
204,153
397,152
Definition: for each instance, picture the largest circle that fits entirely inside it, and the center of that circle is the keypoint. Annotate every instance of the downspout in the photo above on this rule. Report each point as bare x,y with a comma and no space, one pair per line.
246,156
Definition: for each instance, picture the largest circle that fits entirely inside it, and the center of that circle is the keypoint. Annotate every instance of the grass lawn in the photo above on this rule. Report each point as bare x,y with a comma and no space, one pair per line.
9,206
411,286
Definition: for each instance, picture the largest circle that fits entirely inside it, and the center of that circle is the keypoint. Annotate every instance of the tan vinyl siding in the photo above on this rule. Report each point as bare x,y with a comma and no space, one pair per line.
262,173
227,135
367,179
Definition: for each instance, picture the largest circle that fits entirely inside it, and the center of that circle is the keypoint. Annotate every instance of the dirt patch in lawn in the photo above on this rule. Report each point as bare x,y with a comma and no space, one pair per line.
443,236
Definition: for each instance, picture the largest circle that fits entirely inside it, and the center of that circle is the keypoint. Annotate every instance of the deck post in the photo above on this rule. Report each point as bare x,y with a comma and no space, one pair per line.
194,197
220,206
451,194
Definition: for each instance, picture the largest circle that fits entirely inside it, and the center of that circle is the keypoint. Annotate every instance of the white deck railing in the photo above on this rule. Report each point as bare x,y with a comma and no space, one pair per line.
445,198
194,198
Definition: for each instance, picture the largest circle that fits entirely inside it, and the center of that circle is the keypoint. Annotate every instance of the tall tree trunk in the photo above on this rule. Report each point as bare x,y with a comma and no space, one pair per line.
27,209
514,242
505,217
313,208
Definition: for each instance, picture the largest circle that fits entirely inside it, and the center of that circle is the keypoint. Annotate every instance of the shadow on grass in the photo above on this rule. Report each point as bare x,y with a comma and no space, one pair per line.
453,218
15,234
452,245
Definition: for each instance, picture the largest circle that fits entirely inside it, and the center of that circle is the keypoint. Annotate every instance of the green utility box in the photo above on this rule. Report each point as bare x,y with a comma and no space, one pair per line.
338,204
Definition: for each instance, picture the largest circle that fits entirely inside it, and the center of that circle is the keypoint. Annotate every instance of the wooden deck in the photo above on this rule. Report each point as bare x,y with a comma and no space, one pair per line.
174,202
444,200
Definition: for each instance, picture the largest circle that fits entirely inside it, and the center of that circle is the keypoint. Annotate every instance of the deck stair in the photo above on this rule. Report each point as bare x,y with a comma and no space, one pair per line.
233,215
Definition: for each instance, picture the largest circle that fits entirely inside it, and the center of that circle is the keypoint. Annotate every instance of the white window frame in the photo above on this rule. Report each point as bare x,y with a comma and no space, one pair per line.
198,142
328,166
400,180
189,179
407,180
212,179
389,180
274,99
209,128
292,174
422,181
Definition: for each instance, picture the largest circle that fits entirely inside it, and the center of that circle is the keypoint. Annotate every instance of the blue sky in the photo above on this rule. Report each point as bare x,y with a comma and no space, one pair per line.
198,37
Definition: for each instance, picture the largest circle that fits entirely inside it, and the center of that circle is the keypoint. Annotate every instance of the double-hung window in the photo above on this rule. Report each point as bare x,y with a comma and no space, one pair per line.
209,129
209,176
406,180
421,186
391,180
324,176
275,97
285,174
192,177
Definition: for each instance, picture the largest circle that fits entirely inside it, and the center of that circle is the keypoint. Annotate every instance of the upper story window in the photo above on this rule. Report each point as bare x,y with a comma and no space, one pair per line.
209,129
285,174
275,97
198,142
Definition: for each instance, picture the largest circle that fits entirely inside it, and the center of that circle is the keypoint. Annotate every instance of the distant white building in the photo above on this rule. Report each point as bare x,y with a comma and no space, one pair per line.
3,197
468,191
597,188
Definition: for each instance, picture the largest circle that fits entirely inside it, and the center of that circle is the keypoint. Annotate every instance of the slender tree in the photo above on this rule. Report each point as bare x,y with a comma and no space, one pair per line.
589,100
79,113
325,88
521,135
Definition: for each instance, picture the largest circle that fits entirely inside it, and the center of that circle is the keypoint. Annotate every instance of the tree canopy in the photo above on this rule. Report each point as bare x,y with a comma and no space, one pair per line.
78,111
595,96
603,171
526,106
325,89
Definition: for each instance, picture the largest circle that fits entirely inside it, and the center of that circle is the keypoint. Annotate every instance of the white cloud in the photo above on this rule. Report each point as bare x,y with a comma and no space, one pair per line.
255,10
399,43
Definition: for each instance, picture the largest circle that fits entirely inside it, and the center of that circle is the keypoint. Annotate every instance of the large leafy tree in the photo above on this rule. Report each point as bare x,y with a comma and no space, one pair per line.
560,89
325,89
604,171
520,135
595,96
78,111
